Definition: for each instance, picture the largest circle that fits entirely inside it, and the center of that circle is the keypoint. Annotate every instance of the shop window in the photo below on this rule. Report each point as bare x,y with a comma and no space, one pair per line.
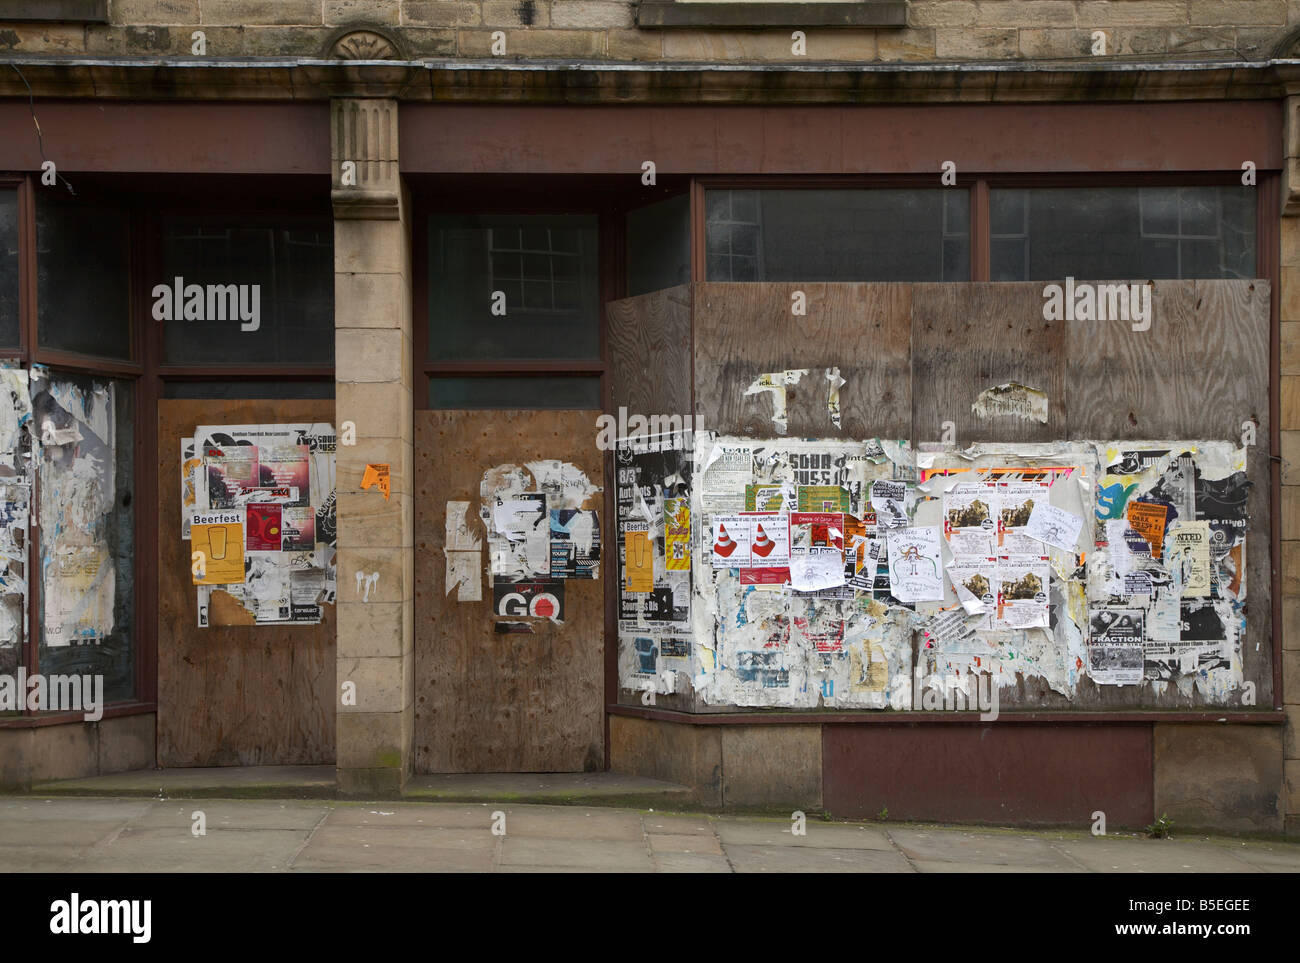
838,235
513,287
82,270
1122,232
515,392
248,294
659,245
8,268
248,389
84,428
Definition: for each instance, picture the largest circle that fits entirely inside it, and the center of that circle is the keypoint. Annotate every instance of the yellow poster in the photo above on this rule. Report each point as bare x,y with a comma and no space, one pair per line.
677,534
639,569
217,547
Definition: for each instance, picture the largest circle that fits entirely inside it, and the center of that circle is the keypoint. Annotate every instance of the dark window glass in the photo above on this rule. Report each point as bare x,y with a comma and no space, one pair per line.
81,278
86,534
515,392
283,274
659,246
8,268
542,270
838,235
1122,232
248,389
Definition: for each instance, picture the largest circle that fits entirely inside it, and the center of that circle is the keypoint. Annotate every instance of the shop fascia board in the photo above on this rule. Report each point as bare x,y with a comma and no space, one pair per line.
590,82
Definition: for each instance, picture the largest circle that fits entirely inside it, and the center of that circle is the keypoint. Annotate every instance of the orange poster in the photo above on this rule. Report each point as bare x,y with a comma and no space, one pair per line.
639,569
1148,520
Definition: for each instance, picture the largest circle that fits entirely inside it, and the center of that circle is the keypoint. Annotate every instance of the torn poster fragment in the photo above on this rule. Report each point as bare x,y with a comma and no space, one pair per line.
378,477
833,396
1012,400
1054,526
575,543
914,572
775,384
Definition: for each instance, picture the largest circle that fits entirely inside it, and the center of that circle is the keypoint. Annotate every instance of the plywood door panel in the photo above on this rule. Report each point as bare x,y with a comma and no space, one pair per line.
743,331
234,695
487,701
649,339
967,338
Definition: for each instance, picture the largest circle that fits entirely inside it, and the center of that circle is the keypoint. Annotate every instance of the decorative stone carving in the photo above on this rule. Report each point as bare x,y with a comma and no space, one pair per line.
363,155
362,43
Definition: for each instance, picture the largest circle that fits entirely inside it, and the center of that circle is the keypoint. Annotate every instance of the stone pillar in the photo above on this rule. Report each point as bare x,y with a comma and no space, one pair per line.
372,332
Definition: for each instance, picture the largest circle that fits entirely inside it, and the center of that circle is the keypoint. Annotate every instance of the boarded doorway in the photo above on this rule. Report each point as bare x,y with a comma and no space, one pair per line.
498,693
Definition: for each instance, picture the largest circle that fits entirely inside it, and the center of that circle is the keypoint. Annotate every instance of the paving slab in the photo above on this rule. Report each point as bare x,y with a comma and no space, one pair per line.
61,832
227,814
818,835
32,808
706,845
177,851
427,815
565,823
813,859
656,823
690,863
950,866
987,849
1268,858
564,788
592,854
1138,855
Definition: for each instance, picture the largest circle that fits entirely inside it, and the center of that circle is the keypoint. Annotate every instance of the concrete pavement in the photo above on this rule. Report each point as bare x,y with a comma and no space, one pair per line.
39,834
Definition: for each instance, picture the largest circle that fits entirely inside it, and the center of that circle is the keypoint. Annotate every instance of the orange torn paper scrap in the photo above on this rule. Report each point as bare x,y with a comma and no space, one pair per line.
376,475
1148,520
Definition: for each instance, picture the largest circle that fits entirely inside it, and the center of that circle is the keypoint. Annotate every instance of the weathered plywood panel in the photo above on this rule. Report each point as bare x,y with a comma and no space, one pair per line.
234,695
649,339
490,702
743,331
967,338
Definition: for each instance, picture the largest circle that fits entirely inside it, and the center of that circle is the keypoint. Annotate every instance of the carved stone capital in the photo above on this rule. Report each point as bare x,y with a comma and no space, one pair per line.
363,158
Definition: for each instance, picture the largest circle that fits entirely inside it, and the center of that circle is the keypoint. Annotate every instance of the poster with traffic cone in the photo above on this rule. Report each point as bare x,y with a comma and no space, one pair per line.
769,549
729,545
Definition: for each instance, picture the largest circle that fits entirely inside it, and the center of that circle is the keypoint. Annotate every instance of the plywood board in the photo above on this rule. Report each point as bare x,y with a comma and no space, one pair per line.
649,339
967,338
234,695
743,331
486,701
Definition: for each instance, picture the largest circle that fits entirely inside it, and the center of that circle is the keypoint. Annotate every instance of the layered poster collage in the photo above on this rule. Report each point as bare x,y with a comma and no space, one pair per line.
822,572
541,534
258,508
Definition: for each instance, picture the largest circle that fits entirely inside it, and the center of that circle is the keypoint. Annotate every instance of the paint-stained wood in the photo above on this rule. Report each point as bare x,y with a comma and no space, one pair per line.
967,338
649,338
234,695
485,701
743,331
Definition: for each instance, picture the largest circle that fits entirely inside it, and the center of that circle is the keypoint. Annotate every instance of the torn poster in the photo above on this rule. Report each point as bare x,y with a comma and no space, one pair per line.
519,537
833,395
1022,591
769,549
1012,400
1149,519
76,419
638,562
914,572
975,580
379,477
816,550
889,501
775,384
729,541
15,513
218,540
575,543
463,555
970,512
281,478
540,599
1116,637
1017,501
1188,557
191,464
770,498
1054,526
726,473
824,498
677,534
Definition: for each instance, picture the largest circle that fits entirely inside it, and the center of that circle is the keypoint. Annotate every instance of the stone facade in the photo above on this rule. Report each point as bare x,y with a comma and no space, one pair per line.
951,30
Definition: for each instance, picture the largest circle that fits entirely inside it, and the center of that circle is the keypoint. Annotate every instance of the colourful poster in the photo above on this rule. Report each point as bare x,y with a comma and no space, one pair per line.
638,566
263,528
217,547
677,534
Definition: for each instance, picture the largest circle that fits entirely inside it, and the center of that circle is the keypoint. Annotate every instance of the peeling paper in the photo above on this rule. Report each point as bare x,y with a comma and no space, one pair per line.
775,383
1012,400
833,397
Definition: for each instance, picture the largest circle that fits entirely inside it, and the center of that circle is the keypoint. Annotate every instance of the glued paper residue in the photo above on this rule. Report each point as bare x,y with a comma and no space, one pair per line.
1012,400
